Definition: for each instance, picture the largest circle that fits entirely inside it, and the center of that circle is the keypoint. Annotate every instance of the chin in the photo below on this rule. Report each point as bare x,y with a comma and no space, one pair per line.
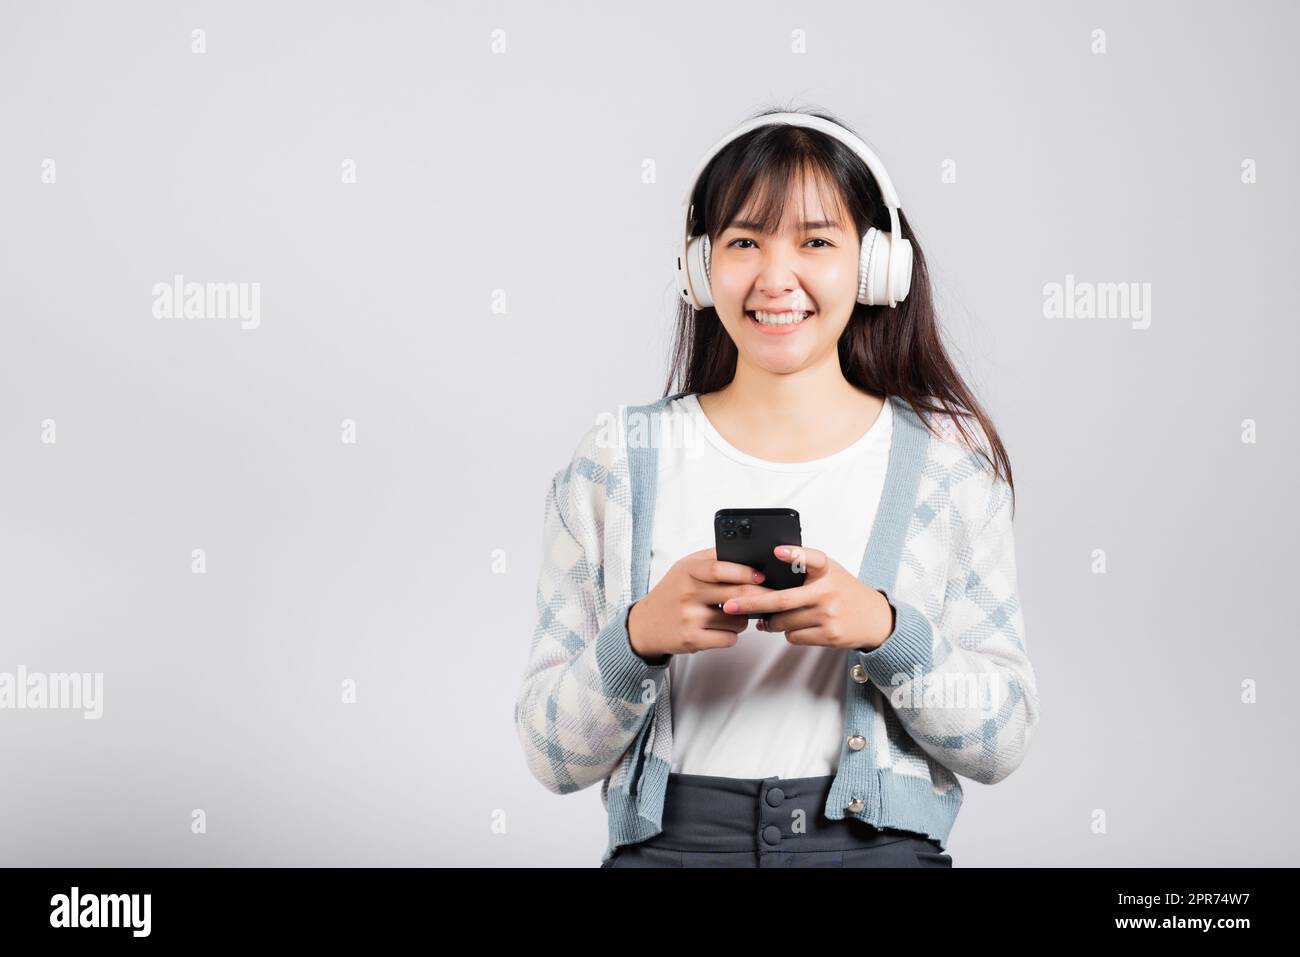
780,365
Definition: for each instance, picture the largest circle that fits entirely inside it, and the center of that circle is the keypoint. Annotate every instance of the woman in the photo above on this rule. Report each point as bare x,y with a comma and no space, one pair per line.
812,376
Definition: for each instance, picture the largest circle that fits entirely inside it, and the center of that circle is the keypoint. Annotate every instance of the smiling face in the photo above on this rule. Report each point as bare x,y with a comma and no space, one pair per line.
763,282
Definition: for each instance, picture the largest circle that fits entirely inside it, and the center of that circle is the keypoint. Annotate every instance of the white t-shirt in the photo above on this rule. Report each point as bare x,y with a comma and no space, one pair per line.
762,707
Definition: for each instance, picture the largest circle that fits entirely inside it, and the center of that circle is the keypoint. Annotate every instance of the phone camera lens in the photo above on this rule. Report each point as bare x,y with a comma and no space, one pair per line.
728,523
729,533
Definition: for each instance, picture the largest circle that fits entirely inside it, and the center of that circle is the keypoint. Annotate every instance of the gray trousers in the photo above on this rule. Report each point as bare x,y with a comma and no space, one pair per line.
713,821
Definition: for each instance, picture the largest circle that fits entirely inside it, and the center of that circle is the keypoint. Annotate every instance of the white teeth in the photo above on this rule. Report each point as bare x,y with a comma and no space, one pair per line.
781,318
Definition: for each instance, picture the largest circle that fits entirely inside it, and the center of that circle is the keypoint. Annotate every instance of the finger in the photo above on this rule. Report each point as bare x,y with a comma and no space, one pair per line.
814,559
712,570
721,621
716,594
771,599
808,636
788,621
715,638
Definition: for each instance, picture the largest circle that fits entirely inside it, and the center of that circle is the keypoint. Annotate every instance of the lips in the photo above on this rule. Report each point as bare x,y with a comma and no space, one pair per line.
779,328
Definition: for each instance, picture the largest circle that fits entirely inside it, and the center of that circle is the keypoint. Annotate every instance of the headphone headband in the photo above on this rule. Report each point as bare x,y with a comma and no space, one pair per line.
854,142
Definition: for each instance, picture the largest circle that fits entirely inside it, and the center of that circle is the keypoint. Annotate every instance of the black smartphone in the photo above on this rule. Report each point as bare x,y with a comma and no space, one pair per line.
749,536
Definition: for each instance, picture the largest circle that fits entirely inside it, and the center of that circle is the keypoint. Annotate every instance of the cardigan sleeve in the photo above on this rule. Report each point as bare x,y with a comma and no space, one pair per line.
585,694
963,685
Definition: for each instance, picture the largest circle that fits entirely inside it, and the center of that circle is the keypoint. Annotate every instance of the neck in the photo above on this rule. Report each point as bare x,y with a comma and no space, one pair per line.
773,401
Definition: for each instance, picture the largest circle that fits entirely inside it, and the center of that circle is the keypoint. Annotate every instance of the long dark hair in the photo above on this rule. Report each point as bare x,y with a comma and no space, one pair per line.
883,351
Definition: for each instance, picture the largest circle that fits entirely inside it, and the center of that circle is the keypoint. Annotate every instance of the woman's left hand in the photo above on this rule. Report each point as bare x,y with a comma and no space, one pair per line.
831,607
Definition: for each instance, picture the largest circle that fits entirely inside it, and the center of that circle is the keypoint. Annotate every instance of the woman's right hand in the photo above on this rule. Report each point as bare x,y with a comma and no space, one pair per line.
683,612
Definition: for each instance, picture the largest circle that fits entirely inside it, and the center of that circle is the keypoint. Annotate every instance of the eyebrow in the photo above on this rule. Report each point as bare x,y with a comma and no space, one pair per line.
806,225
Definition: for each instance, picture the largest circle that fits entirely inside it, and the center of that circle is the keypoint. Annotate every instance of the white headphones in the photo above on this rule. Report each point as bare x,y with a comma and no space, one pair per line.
885,266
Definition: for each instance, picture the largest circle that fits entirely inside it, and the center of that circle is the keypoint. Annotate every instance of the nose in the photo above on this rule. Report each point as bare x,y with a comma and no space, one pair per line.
776,275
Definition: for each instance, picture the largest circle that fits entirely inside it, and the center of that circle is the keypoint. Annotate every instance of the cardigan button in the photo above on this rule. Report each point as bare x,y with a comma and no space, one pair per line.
856,805
857,742
859,674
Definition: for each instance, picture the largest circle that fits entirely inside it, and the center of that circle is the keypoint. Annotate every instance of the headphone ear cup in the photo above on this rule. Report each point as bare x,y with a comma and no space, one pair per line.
874,266
699,253
903,277
868,258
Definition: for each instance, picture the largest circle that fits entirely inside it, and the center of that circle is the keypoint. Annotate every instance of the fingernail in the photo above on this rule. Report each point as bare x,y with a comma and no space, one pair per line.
783,552
729,605
758,576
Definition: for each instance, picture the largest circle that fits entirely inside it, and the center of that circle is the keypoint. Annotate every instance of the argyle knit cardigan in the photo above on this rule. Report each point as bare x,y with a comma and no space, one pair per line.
950,692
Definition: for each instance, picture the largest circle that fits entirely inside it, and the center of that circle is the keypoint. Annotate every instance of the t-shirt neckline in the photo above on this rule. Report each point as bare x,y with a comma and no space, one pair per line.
878,430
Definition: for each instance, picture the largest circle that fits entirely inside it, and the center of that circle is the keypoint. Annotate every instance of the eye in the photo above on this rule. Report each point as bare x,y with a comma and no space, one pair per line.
816,239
